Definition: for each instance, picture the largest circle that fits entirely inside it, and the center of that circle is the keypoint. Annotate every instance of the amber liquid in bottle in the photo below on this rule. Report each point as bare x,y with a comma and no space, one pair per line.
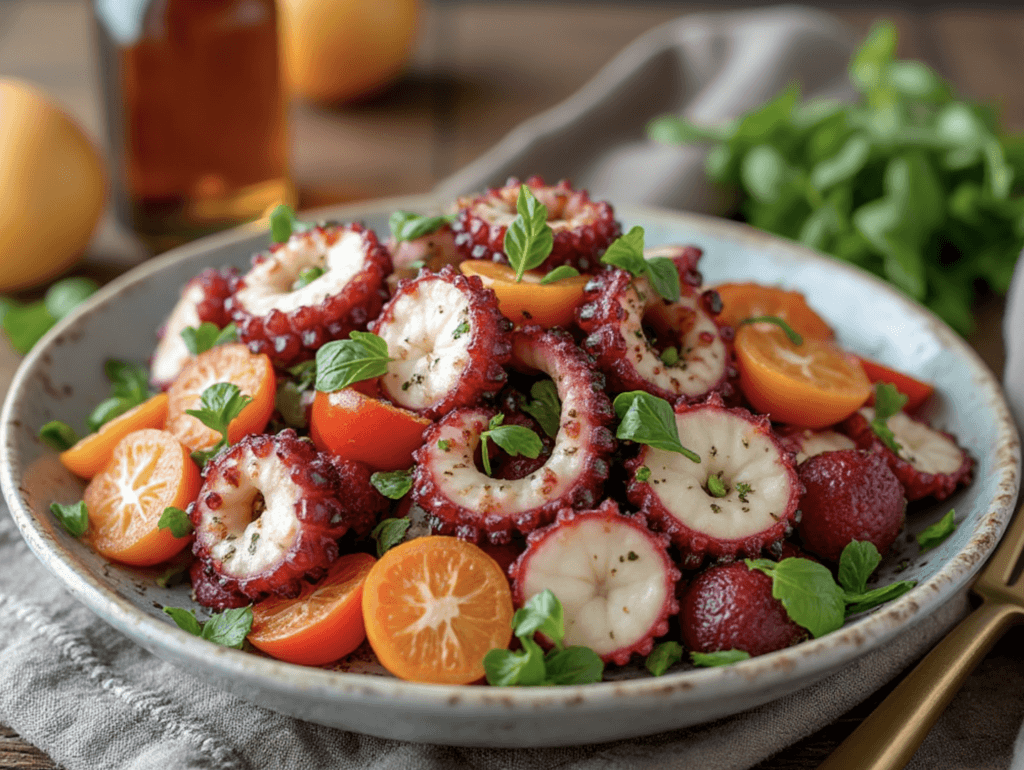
197,118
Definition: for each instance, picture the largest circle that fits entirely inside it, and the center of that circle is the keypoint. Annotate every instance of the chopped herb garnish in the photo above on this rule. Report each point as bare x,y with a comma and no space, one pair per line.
643,473
937,532
716,487
461,329
444,444
663,657
670,356
307,276
743,490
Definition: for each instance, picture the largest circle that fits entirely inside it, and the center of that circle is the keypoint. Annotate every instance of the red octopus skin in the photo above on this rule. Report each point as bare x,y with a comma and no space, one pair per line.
295,335
623,350
579,245
488,345
607,516
917,484
672,488
464,502
731,607
310,499
209,591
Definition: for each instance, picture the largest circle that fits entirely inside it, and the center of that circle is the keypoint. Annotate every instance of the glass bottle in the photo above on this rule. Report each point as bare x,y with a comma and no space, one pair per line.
196,114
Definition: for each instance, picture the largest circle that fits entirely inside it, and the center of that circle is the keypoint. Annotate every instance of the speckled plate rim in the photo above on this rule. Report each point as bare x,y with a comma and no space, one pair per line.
805,663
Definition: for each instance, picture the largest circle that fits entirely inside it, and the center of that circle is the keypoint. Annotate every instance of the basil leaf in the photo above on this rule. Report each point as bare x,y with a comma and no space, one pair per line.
220,403
176,520
649,420
288,401
663,657
229,628
888,401
560,272
718,658
529,239
627,252
58,435
128,380
573,665
26,324
67,294
514,439
389,533
408,226
185,619
542,612
207,335
73,517
106,411
504,668
807,591
545,407
283,223
342,362
859,602
664,278
932,536
392,484
307,276
304,374
859,559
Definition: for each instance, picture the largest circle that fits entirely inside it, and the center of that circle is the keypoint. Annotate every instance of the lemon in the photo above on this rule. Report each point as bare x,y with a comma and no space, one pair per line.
336,50
52,187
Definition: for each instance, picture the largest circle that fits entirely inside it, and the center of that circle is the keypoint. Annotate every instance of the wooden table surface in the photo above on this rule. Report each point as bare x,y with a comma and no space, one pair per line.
478,70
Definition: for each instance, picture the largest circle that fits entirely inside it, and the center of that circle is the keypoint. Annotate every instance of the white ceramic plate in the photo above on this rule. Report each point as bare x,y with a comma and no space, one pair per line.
62,379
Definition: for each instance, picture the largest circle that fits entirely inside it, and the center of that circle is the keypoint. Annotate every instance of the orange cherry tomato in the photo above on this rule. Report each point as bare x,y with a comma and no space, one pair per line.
355,426
433,607
323,623
812,385
529,301
149,471
252,373
91,455
751,300
916,391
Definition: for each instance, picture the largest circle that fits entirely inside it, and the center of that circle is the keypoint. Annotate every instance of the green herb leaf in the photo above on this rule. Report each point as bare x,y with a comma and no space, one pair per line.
937,532
207,335
669,356
627,252
307,276
542,612
128,380
172,576
342,362
807,591
444,444
664,277
176,520
392,484
304,374
514,439
888,401
461,329
288,401
859,602
545,407
573,665
719,658
26,324
529,239
525,667
74,517
408,226
389,533
791,333
229,628
859,559
219,405
67,294
560,272
649,420
643,473
105,411
283,223
716,487
185,619
58,435
742,490
663,657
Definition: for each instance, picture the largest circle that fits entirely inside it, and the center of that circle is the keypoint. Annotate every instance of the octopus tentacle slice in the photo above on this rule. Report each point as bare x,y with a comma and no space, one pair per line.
612,575
464,501
279,314
202,301
929,463
805,442
583,229
750,507
616,313
270,512
447,340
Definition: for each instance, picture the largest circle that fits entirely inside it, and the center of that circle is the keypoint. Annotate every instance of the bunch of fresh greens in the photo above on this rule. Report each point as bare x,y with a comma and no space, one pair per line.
911,183
25,323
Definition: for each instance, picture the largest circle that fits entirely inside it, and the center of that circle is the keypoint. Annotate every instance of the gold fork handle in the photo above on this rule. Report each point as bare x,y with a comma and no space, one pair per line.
888,738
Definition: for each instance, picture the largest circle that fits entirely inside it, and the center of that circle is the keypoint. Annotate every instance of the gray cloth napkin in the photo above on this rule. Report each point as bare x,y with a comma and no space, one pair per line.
92,699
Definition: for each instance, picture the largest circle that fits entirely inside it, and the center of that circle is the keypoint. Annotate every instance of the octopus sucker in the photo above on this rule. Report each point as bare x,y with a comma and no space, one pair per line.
583,229
448,341
464,501
316,287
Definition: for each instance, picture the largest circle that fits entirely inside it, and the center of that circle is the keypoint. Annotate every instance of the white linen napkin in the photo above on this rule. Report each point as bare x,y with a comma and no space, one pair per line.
92,699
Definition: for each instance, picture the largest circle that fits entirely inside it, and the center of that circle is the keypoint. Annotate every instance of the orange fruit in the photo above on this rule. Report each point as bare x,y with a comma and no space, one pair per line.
433,607
321,624
52,187
529,301
251,372
812,385
149,471
751,300
91,455
336,50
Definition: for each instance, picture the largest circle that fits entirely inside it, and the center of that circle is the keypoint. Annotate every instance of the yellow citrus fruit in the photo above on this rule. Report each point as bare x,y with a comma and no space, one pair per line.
336,50
52,187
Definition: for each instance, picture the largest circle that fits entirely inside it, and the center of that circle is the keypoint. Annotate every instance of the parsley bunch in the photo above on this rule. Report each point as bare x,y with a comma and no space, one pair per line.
918,187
